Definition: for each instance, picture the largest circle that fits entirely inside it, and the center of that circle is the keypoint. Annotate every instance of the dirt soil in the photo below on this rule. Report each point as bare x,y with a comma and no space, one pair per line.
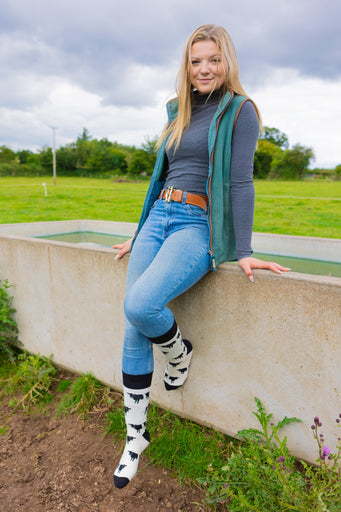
53,465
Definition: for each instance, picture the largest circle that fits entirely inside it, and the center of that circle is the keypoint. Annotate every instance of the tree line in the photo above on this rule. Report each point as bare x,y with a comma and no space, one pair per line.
91,157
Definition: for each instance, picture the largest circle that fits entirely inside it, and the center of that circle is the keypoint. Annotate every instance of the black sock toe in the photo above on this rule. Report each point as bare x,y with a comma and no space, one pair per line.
120,481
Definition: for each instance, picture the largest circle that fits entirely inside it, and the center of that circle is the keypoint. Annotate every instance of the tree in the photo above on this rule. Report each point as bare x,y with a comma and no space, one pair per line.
23,155
104,157
338,171
261,164
45,158
298,158
141,162
149,146
266,152
6,155
66,159
275,136
293,163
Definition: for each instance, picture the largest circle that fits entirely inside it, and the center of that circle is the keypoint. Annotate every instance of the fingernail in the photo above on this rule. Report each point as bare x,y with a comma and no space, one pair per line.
116,257
252,279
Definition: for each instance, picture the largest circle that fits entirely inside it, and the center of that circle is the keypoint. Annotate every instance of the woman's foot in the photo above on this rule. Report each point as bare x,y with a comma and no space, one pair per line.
136,402
129,462
176,371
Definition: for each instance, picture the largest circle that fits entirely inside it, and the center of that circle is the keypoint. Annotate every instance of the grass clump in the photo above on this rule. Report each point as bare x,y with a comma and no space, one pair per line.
86,394
33,376
180,445
9,340
262,475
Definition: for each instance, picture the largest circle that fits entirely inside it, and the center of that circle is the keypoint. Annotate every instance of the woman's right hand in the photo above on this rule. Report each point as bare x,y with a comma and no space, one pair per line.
124,248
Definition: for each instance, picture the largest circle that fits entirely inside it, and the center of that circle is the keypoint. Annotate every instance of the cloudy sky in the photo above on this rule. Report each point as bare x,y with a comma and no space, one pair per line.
110,66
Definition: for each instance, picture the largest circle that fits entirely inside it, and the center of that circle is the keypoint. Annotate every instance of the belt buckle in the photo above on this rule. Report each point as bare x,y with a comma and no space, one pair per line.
169,192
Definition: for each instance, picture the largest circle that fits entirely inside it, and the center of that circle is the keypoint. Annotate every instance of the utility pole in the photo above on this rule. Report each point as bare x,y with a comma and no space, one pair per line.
54,154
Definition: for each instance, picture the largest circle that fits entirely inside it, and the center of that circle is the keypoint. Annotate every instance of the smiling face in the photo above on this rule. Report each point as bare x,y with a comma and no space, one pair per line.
207,70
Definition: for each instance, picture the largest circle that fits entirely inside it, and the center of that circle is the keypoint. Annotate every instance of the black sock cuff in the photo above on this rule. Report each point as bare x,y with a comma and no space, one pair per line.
167,336
137,381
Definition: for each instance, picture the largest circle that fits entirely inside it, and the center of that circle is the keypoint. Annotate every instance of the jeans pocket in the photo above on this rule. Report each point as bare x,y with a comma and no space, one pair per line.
197,211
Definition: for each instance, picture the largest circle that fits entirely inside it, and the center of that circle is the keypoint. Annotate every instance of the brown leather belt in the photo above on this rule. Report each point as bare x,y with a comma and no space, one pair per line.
172,194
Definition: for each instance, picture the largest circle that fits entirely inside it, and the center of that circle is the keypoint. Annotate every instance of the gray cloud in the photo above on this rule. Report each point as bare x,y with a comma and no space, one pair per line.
110,64
98,44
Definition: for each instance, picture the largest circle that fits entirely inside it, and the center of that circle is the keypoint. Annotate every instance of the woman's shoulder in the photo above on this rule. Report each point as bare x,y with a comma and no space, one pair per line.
247,116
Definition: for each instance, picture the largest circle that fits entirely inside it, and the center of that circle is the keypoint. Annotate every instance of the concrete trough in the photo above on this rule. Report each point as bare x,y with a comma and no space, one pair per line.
278,339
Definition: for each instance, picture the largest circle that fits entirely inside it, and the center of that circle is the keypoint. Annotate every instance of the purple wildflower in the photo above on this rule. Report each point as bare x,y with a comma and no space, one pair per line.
325,450
316,419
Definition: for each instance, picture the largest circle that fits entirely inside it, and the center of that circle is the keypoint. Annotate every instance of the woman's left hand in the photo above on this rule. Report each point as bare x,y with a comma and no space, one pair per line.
247,264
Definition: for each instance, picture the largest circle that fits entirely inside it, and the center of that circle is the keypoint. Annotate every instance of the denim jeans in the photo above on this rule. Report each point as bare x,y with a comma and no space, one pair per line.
170,254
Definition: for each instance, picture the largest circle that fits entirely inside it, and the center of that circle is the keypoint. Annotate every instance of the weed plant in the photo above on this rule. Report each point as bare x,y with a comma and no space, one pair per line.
262,475
33,376
9,340
86,394
183,447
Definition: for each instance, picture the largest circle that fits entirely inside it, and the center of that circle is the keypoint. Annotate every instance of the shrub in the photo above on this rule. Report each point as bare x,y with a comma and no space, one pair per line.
8,327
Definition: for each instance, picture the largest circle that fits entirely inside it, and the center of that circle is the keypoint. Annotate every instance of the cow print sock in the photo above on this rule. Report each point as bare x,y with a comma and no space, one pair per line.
178,353
136,403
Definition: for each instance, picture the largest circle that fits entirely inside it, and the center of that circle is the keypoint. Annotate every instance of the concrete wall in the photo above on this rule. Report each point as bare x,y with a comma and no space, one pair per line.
278,339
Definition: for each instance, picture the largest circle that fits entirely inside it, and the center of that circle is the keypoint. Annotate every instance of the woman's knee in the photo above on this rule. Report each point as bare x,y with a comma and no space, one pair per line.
135,309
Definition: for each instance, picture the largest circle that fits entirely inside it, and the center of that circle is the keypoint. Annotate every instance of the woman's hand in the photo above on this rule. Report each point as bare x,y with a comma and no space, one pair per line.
247,264
124,248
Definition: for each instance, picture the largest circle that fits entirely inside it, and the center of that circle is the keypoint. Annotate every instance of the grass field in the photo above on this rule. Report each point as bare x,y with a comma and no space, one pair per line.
294,208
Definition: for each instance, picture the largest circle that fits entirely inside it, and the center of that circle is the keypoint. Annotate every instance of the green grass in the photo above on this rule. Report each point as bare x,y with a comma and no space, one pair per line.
305,208
298,208
83,395
185,448
23,200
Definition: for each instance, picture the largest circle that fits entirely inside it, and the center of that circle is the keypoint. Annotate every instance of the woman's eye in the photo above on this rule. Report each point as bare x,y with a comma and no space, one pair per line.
194,62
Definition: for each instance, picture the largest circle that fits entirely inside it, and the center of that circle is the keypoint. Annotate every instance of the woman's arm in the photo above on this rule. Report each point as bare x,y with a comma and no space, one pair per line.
244,142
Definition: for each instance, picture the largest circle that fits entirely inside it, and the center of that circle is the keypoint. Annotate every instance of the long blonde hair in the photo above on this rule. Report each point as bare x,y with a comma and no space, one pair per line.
184,87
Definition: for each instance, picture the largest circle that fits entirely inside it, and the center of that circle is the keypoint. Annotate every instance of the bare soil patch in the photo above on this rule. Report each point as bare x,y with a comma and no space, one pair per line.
49,464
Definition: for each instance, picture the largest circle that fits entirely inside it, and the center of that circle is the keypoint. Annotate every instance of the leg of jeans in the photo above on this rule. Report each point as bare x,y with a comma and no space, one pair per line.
137,349
182,260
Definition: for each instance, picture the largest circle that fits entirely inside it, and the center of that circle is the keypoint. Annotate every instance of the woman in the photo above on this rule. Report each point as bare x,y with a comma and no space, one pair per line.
198,212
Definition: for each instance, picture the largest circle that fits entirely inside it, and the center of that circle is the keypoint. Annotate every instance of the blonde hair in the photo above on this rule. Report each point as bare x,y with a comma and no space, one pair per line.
184,87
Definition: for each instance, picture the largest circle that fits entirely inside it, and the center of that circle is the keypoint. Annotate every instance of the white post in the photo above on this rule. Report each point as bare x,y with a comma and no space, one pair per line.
54,155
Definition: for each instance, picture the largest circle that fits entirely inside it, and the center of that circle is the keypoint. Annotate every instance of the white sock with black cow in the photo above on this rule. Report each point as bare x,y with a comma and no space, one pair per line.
178,353
136,403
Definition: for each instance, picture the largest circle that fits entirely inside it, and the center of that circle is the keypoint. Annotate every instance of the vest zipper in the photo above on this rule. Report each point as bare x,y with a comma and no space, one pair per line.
214,266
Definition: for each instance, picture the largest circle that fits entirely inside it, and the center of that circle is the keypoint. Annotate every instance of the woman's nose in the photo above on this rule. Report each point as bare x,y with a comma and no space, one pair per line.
204,67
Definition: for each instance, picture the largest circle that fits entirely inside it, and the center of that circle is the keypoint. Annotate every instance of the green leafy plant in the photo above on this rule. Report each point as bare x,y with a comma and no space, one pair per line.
33,376
8,327
86,394
261,475
179,445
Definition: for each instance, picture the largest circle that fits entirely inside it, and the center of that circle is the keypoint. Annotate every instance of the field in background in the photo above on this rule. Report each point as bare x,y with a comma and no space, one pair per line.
293,208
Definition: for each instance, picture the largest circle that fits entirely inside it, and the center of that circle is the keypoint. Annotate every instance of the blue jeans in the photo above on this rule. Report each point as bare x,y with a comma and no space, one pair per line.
170,254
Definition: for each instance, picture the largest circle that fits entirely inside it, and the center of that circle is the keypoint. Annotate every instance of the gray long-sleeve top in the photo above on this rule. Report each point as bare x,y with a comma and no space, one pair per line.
188,166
